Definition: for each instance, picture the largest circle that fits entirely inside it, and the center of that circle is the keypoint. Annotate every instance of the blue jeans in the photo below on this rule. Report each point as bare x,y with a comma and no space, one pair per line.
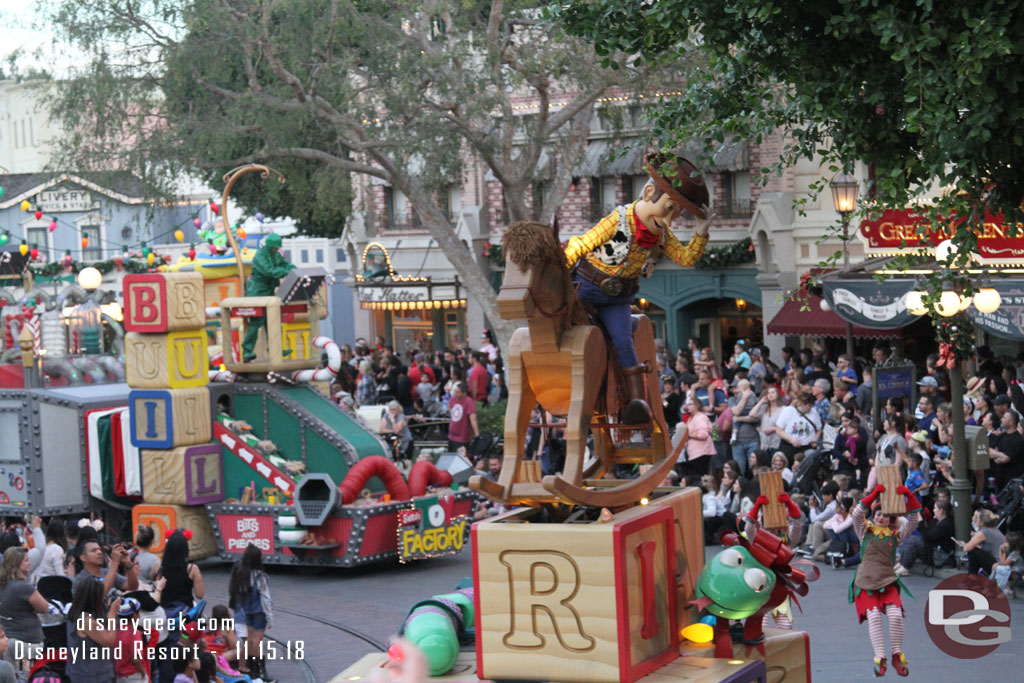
741,454
614,313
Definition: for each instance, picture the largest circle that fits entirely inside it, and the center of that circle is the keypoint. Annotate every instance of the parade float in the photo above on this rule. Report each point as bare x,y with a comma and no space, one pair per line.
154,419
591,575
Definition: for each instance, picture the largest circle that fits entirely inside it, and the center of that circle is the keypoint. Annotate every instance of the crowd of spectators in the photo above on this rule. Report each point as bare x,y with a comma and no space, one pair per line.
810,416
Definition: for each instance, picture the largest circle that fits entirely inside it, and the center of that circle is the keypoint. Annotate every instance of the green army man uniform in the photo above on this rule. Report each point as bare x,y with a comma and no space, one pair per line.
268,267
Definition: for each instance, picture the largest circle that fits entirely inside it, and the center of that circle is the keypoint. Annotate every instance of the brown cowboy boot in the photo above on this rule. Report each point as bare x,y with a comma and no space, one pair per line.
638,411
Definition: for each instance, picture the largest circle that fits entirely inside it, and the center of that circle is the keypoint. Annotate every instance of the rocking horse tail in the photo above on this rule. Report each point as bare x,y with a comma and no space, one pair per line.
638,410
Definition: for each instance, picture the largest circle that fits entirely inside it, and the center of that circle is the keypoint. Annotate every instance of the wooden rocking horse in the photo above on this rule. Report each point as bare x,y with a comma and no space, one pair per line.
562,362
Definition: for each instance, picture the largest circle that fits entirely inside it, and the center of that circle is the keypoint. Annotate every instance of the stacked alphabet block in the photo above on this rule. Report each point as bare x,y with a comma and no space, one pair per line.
169,406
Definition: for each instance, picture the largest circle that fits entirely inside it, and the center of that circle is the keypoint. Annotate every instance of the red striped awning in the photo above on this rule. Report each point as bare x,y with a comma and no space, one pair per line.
818,323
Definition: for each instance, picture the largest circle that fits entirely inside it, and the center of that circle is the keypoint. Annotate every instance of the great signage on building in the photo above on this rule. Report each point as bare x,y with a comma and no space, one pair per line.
65,199
901,229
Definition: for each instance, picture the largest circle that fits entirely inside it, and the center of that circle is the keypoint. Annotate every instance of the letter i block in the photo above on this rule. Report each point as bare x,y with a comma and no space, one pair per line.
581,602
163,302
178,360
165,418
164,518
188,475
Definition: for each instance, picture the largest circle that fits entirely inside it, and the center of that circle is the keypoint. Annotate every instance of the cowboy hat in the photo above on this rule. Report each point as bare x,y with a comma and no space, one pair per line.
680,180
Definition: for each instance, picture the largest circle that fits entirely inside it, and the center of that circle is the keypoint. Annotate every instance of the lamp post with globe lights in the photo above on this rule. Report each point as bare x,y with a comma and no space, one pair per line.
844,199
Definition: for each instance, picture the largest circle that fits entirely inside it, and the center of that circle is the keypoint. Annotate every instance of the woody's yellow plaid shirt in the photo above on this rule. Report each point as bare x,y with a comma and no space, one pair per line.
582,246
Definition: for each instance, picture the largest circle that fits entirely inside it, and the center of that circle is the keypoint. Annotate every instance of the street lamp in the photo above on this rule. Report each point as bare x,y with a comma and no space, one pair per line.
844,199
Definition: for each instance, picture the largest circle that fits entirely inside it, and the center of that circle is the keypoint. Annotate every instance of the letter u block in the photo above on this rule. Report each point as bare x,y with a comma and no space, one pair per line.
295,336
165,418
177,360
165,518
580,602
163,302
188,475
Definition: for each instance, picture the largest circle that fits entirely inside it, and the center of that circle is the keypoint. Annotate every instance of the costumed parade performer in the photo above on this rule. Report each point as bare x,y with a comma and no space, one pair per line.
610,258
782,613
875,588
268,267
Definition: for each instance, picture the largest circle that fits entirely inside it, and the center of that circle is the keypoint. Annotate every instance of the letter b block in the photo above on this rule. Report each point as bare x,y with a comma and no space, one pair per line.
165,418
177,360
163,302
189,475
582,602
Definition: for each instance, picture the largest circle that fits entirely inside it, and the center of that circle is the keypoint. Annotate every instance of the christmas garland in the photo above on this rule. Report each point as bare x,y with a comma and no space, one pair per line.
57,267
731,255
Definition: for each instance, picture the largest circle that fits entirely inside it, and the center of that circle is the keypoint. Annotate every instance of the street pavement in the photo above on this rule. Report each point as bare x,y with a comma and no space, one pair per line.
374,600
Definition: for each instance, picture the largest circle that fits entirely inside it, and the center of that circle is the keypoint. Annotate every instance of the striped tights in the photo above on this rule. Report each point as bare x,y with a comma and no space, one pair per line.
895,616
781,620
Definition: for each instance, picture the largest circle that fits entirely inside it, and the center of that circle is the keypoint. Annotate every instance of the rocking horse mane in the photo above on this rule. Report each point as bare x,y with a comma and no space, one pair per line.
530,244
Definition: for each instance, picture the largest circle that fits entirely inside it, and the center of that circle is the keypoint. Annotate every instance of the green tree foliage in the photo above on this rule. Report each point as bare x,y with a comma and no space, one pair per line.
926,91
405,91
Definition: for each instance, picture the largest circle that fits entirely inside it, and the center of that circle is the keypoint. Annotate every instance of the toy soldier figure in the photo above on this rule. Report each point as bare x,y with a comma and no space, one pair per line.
268,267
611,257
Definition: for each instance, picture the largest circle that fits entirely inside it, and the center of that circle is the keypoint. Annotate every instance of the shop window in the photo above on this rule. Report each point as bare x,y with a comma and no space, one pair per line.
451,202
319,256
737,193
94,252
339,255
304,255
396,209
602,197
38,237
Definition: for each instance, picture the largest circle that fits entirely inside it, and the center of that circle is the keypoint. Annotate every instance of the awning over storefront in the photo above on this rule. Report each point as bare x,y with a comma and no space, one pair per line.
605,158
869,303
818,323
1008,321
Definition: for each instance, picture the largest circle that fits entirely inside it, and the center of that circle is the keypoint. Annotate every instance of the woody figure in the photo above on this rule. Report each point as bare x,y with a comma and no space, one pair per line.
610,258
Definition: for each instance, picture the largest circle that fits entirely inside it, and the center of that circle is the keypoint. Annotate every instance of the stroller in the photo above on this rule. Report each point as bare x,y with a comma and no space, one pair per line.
57,591
805,478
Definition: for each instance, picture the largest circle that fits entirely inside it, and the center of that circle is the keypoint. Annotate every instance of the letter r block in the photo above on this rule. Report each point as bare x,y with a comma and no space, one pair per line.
587,602
163,302
178,360
165,418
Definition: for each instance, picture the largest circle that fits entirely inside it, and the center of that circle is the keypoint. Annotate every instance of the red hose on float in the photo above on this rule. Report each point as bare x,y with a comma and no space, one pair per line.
373,466
424,474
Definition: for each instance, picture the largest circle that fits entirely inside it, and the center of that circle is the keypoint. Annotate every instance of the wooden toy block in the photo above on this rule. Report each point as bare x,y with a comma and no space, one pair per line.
163,302
773,515
580,602
164,518
688,528
177,360
165,418
787,653
187,475
892,502
296,337
222,288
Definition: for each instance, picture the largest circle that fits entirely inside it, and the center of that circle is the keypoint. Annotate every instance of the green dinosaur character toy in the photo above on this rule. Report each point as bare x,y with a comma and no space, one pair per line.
268,267
736,584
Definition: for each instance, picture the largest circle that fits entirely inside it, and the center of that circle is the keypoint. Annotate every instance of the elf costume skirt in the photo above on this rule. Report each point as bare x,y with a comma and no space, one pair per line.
866,600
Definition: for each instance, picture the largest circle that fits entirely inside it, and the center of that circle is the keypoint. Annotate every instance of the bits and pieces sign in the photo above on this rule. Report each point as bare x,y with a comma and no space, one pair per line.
428,529
238,531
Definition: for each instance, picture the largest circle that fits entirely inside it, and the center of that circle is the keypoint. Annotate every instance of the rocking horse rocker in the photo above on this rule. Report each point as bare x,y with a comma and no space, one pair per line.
598,377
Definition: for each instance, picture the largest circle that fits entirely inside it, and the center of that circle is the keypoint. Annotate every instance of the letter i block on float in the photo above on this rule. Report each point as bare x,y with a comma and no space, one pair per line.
163,518
580,602
165,418
163,302
177,360
188,475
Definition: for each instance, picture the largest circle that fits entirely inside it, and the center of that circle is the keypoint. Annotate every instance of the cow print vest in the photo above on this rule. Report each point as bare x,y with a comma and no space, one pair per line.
613,253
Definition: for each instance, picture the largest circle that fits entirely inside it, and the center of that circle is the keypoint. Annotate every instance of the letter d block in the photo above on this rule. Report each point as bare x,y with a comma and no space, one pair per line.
177,360
165,418
188,475
163,302
582,602
165,518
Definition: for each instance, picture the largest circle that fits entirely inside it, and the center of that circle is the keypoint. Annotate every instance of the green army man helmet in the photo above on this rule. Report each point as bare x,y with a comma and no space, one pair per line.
273,240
